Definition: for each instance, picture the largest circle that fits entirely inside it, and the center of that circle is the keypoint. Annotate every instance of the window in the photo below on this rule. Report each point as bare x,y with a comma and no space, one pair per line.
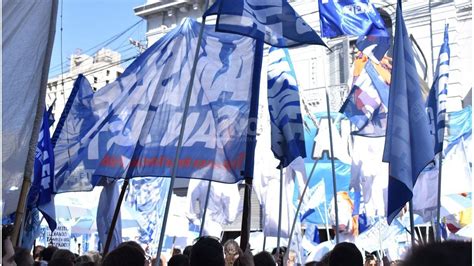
106,82
107,72
95,79
118,73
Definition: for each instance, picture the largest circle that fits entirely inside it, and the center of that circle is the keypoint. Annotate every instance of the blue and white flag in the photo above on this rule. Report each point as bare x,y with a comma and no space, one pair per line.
436,102
284,105
409,147
131,127
350,17
41,191
366,104
273,21
147,199
105,212
357,18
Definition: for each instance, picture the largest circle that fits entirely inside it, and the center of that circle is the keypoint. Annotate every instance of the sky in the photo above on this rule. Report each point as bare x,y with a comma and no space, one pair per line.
87,23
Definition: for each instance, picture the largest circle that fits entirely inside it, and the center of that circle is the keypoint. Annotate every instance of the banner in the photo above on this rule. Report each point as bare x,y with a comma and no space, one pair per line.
137,119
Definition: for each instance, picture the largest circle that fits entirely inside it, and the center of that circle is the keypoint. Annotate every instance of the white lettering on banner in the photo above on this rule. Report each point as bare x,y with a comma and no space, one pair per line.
340,141
60,238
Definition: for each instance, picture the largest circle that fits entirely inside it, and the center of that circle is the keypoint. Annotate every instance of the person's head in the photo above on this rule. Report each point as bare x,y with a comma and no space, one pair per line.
126,254
278,256
95,257
263,259
48,252
440,253
231,251
83,260
370,260
60,262
291,258
345,254
187,251
324,260
37,253
64,253
176,251
23,257
207,251
179,260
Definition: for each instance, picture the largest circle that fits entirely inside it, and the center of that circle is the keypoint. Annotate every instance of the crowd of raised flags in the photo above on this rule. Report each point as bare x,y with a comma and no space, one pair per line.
130,128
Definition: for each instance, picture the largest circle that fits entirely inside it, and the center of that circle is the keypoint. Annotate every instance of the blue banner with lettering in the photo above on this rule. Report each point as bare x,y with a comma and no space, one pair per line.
131,126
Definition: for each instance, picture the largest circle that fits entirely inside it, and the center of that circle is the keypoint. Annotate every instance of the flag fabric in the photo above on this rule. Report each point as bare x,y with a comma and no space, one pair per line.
41,191
105,212
284,105
222,208
357,18
131,127
408,143
366,104
436,102
369,174
147,198
273,21
353,17
459,127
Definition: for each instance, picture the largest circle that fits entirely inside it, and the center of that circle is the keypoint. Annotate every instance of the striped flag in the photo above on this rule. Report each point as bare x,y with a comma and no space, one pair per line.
273,21
284,106
436,103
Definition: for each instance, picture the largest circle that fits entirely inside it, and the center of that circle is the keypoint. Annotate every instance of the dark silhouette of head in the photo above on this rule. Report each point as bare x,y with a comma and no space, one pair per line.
37,252
64,253
344,254
264,259
207,251
23,257
60,262
179,260
126,254
441,253
279,257
48,252
187,251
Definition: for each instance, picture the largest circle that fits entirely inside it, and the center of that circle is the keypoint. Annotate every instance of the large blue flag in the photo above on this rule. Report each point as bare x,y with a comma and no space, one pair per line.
273,21
41,191
366,104
436,102
131,127
285,111
357,18
408,142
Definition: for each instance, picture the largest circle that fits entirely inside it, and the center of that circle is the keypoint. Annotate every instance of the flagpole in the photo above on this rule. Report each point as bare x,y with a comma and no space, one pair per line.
326,216
334,187
245,227
412,224
431,37
295,219
205,208
110,233
33,143
181,134
279,210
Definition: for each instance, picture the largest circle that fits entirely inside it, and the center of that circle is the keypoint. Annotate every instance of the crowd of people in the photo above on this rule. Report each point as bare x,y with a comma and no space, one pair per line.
209,251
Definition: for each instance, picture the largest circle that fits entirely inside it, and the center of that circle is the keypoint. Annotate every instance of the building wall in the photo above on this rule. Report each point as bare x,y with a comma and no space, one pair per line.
100,69
309,61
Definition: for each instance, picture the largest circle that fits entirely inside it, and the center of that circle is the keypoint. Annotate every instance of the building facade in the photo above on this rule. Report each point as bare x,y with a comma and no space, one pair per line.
100,69
425,21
